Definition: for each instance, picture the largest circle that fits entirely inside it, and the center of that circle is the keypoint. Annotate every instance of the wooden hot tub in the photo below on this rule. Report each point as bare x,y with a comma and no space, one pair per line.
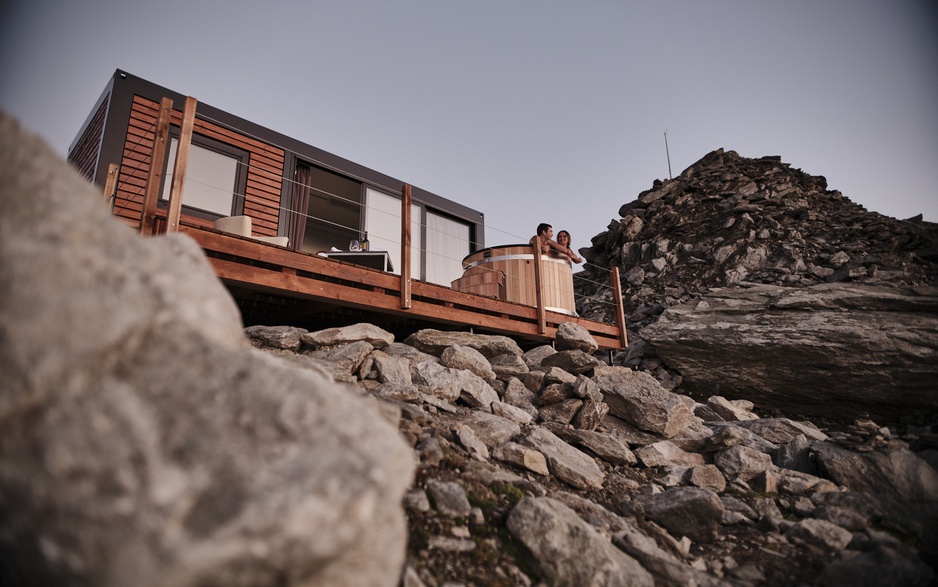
507,272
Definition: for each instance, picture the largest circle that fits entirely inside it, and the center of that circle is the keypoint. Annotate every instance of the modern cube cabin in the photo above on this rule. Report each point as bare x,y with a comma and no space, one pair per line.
277,217
239,168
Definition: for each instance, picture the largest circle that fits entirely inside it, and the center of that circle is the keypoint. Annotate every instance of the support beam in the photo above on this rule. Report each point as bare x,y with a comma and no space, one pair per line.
406,198
538,288
157,163
617,300
181,165
110,184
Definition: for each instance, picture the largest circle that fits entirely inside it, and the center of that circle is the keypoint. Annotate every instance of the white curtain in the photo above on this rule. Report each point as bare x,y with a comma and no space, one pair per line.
447,245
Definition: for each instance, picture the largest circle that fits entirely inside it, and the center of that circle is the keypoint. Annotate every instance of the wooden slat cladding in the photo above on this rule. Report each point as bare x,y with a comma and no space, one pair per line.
264,173
84,157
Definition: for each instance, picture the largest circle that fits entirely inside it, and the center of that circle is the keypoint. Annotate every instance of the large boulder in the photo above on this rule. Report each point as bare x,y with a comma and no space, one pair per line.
144,440
639,399
434,342
568,551
831,350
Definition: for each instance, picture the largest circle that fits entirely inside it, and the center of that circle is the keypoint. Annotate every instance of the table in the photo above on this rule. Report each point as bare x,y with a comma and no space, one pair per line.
379,260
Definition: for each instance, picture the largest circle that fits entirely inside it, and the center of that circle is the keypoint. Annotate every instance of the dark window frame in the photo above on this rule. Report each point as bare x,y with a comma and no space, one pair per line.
241,175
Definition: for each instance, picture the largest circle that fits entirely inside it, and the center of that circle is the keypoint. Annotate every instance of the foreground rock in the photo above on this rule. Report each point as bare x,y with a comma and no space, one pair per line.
848,350
143,440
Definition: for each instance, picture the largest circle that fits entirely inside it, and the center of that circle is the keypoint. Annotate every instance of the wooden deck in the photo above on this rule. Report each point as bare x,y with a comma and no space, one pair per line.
276,285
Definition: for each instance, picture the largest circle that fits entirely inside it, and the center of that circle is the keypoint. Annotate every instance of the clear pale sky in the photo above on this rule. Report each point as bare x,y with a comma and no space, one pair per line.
528,111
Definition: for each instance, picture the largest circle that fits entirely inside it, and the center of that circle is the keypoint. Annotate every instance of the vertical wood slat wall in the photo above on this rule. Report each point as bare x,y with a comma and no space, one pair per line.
84,157
264,174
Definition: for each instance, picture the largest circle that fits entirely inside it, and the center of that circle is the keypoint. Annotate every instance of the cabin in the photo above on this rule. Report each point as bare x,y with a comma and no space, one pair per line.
304,237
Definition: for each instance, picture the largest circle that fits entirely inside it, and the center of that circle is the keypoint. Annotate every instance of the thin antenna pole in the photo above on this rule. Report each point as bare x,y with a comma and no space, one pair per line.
668,154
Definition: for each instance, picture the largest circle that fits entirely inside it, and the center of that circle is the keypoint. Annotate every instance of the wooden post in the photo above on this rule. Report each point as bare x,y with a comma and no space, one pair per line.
155,173
181,165
110,184
538,293
617,300
406,198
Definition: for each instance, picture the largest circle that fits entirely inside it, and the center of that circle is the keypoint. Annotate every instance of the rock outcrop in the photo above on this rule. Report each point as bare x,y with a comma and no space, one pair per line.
777,290
853,350
729,219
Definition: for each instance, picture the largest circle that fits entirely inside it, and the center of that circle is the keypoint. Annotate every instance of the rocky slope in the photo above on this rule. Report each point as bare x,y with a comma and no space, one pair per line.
729,219
549,467
777,260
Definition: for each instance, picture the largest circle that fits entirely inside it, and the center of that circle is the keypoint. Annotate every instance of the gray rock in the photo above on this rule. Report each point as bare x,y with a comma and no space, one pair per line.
568,551
451,384
585,388
533,357
707,477
591,414
434,342
574,361
449,498
605,446
667,568
798,483
519,396
794,455
561,412
475,392
665,453
742,462
492,429
467,358
376,337
508,365
637,398
522,456
728,410
415,357
557,375
904,485
392,369
872,349
572,336
727,435
554,393
398,392
142,433
510,412
686,511
820,534
467,437
782,430
345,359
880,565
565,462
279,337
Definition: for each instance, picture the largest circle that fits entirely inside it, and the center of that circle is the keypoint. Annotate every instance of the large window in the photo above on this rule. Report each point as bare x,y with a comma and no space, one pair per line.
383,225
214,179
448,242
333,212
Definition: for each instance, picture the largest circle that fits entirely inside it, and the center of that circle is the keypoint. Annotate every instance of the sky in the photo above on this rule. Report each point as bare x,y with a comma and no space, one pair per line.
528,111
